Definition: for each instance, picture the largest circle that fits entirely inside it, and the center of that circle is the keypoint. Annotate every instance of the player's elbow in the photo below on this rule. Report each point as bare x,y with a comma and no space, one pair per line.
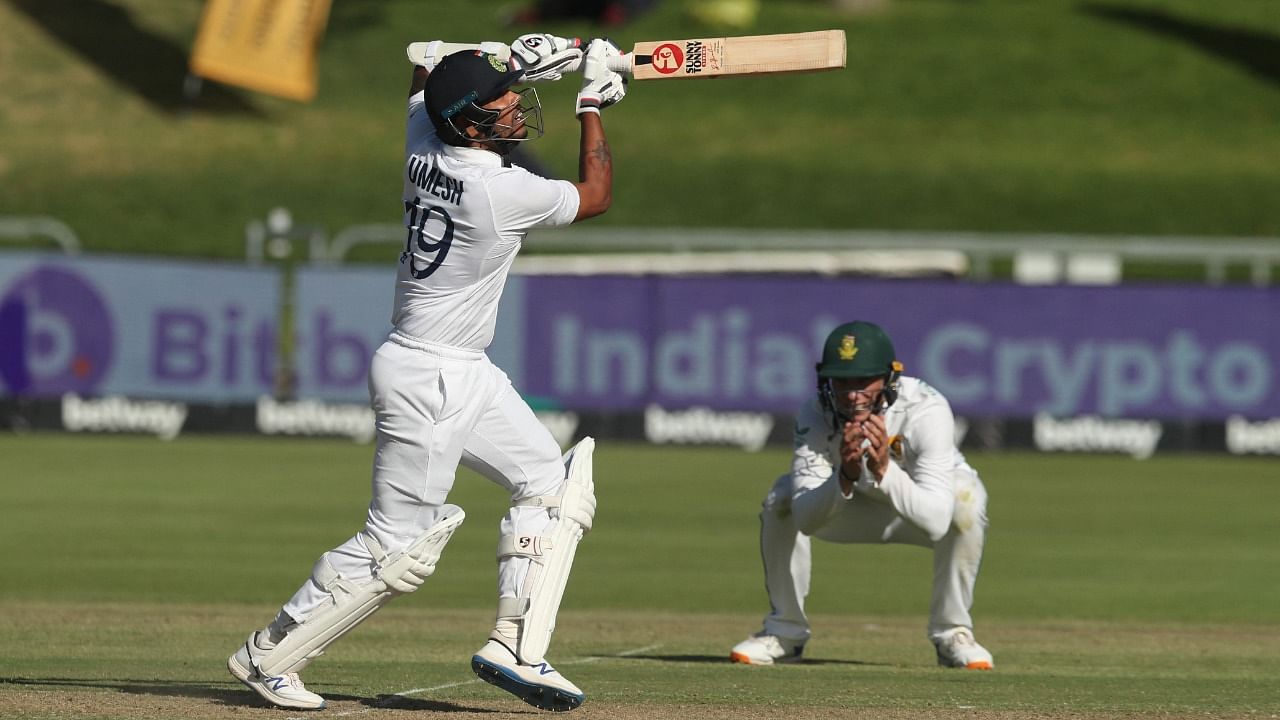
934,518
593,202
937,529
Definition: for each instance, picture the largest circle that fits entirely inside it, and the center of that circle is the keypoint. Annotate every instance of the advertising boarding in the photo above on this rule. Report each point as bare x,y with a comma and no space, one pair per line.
1084,364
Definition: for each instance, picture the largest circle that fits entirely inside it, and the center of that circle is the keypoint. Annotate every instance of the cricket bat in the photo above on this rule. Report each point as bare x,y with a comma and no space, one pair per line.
708,57
742,55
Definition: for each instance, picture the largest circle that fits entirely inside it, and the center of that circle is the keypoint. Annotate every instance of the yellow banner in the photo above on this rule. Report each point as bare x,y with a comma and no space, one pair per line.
264,45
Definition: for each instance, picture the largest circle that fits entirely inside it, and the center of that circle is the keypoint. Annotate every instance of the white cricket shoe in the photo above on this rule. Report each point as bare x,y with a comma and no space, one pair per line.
539,685
766,649
957,648
286,691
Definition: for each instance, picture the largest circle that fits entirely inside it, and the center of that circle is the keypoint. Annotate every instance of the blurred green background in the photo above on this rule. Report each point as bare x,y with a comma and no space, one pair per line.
1110,117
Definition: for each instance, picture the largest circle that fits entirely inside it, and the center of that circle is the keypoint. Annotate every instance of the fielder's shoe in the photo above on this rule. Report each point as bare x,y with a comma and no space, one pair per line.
765,649
957,648
286,691
539,685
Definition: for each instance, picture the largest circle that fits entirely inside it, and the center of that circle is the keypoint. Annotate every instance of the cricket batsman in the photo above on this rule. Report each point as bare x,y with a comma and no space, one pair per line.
439,401
875,461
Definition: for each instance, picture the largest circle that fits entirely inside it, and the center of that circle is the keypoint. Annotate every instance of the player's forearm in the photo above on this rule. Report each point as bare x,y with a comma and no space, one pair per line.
419,81
429,54
928,506
595,168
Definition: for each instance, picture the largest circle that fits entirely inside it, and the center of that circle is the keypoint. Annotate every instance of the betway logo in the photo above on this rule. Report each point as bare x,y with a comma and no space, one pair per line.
1094,434
119,414
702,425
311,417
1244,437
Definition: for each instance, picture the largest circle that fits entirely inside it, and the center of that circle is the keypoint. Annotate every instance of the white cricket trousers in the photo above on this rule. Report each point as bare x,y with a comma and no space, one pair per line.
438,408
787,553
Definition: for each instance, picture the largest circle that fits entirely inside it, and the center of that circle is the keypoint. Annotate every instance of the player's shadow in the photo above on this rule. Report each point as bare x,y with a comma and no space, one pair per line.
1254,50
151,686
150,65
232,695
723,660
400,702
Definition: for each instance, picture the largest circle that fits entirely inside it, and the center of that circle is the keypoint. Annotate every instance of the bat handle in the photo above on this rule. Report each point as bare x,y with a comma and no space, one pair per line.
620,64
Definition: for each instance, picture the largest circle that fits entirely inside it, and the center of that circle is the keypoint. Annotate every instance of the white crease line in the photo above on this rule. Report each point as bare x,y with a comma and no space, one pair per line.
637,651
446,686
415,691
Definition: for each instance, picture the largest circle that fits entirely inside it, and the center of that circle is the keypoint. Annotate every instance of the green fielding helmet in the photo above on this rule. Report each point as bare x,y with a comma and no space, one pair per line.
857,350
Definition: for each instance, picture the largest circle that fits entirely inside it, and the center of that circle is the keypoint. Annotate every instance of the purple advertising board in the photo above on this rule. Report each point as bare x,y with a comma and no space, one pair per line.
750,342
138,327
206,332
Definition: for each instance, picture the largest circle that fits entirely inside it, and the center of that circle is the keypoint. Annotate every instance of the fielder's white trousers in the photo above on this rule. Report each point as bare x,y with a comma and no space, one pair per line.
787,553
438,408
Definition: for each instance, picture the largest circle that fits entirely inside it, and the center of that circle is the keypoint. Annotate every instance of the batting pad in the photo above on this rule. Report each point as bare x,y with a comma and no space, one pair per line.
398,573
552,554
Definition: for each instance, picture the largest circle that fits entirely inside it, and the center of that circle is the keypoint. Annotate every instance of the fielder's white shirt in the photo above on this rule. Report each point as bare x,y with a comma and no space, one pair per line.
465,218
923,458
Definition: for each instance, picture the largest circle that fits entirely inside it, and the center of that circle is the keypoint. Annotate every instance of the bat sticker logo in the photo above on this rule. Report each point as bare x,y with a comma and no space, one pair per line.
668,58
695,56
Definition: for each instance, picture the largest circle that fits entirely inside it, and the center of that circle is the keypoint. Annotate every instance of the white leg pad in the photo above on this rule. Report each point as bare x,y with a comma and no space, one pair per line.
552,554
398,573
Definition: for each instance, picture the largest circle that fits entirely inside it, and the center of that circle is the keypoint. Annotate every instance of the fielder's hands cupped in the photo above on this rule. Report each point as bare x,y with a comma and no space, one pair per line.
877,446
546,57
867,439
601,87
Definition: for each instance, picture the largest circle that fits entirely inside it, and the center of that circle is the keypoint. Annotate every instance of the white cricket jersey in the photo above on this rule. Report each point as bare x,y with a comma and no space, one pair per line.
920,482
465,217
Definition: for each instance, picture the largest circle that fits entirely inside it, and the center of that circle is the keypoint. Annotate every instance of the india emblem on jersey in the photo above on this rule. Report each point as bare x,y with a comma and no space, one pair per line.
497,63
848,347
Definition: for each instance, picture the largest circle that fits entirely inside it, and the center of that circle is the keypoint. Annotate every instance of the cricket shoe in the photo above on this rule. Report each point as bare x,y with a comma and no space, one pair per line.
286,691
765,649
957,648
540,685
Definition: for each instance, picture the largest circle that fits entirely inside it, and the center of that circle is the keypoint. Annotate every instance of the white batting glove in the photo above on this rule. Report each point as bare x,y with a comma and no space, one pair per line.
601,87
545,57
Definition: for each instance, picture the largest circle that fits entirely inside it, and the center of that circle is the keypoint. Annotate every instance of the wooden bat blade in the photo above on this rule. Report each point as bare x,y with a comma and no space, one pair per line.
743,55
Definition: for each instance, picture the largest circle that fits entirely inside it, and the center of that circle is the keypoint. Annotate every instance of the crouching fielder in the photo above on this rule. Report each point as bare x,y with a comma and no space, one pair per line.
439,401
875,461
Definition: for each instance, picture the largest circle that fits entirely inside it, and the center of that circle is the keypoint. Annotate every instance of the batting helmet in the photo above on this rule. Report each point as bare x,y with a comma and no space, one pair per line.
459,85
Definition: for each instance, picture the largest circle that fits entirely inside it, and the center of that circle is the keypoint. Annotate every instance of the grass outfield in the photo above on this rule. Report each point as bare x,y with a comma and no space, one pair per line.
1115,116
1110,588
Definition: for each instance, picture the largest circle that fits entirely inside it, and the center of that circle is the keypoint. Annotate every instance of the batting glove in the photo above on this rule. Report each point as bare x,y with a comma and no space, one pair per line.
545,57
601,87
